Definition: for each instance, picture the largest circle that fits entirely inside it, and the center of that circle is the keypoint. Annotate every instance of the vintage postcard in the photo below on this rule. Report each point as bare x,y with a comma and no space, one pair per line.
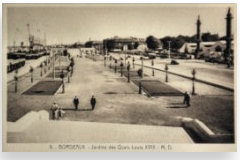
119,77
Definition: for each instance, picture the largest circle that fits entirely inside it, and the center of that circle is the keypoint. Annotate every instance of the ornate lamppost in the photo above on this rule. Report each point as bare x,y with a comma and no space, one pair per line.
68,72
105,58
45,66
92,55
72,65
128,69
41,66
153,68
142,65
31,72
63,85
193,81
49,63
166,69
115,66
125,58
121,67
110,58
133,60
16,81
53,63
140,81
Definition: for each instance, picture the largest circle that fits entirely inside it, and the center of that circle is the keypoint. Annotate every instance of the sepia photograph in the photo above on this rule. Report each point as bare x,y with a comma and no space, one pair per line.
119,77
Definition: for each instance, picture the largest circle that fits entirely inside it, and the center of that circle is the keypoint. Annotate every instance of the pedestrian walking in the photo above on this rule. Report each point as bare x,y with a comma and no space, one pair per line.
186,99
93,102
53,109
128,66
76,102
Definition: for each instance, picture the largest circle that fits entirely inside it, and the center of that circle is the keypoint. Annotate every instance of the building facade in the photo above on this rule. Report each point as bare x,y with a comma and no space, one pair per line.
123,44
206,48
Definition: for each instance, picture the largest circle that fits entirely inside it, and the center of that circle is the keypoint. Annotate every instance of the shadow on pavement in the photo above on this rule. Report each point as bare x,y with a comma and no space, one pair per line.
72,109
177,107
176,103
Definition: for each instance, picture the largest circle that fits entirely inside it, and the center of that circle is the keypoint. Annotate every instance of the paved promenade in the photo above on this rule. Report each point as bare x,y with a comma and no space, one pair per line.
119,101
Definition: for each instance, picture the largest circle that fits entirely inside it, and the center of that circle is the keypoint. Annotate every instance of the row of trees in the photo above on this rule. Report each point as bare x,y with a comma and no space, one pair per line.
154,43
77,45
177,42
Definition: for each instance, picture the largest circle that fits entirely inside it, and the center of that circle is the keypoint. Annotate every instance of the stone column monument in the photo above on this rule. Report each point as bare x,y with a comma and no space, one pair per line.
228,36
198,37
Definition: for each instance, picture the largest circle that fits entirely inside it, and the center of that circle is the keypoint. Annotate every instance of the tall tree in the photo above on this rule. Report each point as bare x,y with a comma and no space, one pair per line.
136,44
153,43
206,37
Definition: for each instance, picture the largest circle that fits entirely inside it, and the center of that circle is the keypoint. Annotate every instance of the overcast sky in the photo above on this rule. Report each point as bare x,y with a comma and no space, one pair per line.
81,23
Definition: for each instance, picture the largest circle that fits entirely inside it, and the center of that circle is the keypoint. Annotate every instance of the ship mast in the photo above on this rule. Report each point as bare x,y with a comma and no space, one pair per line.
30,37
14,40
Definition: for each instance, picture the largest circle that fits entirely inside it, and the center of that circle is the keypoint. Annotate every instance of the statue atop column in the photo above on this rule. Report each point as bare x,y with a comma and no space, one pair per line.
198,37
228,37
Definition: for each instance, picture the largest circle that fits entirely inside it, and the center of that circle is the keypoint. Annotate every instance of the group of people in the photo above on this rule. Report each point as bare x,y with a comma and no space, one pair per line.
93,102
56,112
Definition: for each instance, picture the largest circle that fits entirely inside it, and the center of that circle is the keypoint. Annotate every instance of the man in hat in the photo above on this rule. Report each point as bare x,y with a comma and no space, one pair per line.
53,109
76,102
93,102
186,99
